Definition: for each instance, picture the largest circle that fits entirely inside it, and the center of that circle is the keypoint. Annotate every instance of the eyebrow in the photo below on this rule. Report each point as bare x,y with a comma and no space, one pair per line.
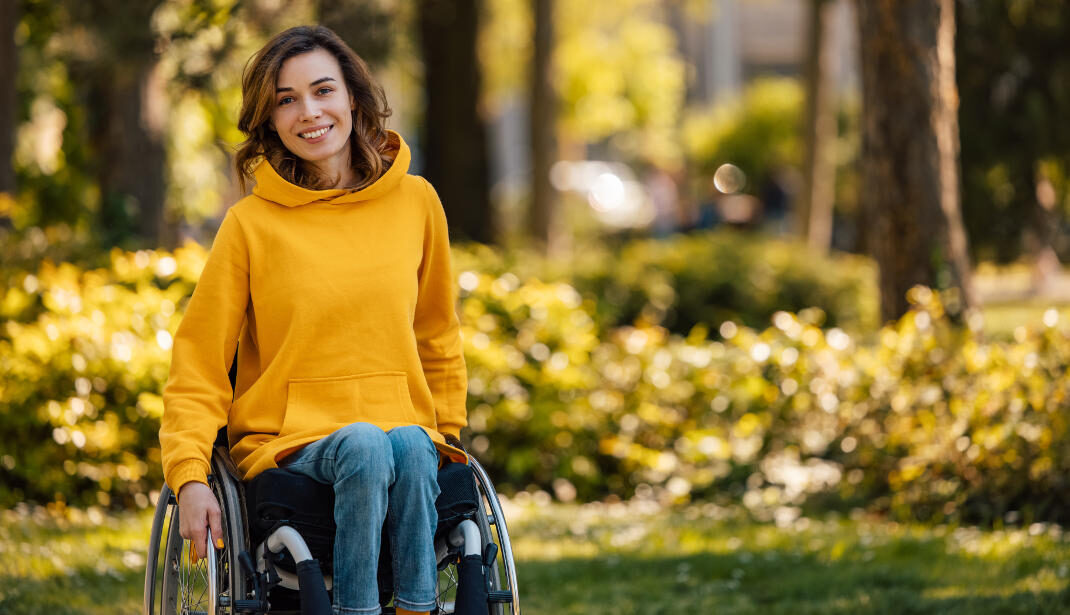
314,83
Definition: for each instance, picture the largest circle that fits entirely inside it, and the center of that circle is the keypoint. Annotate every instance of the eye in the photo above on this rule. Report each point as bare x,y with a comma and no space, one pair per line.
324,91
286,100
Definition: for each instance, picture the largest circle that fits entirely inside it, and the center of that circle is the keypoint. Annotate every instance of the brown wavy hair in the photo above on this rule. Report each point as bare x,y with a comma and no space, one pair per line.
372,150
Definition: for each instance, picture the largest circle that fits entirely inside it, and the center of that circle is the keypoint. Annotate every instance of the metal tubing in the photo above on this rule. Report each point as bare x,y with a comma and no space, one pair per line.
503,532
467,533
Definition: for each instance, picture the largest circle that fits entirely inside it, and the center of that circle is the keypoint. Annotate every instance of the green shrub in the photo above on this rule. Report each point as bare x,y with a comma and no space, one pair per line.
759,132
702,278
921,419
928,422
83,356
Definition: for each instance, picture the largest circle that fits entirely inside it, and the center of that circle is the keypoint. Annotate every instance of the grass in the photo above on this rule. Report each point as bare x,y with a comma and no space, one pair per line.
624,559
71,561
627,559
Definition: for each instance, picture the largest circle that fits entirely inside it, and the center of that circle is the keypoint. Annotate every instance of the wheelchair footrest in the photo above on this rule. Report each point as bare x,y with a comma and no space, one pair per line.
502,596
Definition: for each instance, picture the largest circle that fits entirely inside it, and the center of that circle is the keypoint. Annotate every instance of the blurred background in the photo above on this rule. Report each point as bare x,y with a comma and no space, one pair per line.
764,302
771,253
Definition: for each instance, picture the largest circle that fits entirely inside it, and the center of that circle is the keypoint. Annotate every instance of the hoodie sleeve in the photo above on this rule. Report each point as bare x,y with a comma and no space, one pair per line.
437,328
198,394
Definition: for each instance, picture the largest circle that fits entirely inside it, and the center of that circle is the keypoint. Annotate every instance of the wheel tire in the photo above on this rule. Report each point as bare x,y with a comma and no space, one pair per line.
179,586
488,515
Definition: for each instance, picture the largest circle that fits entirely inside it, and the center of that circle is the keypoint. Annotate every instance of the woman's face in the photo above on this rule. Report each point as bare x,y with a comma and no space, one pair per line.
313,110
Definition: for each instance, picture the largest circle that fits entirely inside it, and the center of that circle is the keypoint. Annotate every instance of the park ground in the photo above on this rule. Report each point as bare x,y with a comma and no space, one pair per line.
625,558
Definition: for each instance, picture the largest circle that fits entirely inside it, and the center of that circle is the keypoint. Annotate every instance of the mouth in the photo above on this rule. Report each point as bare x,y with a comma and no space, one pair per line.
316,133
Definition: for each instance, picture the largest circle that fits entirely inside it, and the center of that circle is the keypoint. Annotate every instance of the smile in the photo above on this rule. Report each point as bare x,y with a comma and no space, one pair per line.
312,134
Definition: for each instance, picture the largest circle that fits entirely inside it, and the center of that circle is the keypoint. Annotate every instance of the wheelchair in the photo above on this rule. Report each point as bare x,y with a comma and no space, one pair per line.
267,566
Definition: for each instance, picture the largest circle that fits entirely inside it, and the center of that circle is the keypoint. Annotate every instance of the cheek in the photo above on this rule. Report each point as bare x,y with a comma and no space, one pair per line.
281,118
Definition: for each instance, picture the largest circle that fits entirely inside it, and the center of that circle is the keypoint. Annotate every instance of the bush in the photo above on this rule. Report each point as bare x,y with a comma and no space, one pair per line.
929,422
83,357
922,419
702,278
759,132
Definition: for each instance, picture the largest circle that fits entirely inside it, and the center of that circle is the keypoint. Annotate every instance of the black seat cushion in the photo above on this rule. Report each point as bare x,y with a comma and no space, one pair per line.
282,497
458,498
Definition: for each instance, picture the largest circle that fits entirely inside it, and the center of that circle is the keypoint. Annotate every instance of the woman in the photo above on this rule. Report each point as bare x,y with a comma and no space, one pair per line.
333,281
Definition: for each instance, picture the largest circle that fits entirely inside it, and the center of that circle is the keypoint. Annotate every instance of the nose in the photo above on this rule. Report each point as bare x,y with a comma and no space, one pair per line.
310,110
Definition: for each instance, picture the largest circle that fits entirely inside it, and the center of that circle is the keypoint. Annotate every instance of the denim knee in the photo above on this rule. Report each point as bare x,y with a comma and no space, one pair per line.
362,448
415,455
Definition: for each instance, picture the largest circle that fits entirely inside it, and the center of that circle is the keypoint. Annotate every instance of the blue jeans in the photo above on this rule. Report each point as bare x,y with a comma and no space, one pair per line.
378,475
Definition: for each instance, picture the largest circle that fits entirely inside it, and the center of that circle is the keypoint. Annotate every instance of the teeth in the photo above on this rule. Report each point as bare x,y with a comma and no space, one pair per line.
314,133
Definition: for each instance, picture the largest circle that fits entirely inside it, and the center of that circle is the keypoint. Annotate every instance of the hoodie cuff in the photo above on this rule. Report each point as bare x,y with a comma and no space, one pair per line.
191,470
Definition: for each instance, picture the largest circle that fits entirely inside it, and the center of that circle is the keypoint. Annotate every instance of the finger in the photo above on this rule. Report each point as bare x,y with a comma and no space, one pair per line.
198,542
216,525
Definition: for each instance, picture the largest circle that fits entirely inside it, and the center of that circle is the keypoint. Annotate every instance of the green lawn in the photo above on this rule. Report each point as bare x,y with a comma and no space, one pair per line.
600,559
622,559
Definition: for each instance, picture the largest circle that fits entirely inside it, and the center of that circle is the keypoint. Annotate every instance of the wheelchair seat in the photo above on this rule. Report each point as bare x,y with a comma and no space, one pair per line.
279,496
472,546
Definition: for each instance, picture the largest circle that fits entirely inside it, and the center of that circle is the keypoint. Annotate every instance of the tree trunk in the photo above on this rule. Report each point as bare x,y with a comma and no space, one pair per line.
909,160
365,26
126,100
1043,225
130,143
9,18
543,117
814,211
455,144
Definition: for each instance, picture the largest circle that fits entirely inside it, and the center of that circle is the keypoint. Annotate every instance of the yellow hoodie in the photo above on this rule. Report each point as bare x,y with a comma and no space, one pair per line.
341,304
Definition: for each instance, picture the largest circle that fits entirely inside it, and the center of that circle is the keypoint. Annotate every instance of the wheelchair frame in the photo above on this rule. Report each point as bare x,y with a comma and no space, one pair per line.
227,581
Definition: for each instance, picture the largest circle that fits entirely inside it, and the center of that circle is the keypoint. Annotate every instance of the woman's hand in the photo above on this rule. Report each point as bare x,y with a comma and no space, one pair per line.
197,510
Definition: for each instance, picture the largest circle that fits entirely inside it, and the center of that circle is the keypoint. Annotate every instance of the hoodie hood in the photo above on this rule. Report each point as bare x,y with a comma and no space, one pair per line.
272,187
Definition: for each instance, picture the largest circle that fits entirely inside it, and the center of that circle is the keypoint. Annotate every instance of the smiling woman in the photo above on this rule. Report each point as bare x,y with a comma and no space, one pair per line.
312,109
314,118
332,284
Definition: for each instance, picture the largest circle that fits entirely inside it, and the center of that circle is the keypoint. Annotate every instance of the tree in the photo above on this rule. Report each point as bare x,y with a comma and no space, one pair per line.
454,143
814,213
1013,74
910,143
365,26
543,120
8,70
117,77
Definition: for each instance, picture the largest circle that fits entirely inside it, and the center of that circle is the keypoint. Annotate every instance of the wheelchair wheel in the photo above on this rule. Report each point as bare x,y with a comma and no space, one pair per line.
174,585
504,597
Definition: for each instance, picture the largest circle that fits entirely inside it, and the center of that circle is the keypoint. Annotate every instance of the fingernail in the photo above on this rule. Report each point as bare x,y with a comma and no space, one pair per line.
193,553
219,543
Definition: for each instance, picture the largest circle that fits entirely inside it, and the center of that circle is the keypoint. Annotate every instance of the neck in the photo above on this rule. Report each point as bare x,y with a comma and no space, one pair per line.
338,167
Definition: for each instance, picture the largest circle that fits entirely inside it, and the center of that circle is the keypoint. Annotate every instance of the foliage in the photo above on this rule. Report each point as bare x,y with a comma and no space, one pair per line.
1012,64
83,356
617,72
929,421
921,419
74,56
758,133
703,278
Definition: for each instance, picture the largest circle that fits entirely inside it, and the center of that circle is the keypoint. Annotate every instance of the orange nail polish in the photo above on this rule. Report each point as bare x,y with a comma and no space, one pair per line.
219,543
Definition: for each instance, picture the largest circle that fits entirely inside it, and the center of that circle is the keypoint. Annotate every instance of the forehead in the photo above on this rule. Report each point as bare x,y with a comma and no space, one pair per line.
301,70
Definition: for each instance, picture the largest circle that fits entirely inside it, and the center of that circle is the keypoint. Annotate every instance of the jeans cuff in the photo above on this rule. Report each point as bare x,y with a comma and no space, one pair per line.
341,610
419,607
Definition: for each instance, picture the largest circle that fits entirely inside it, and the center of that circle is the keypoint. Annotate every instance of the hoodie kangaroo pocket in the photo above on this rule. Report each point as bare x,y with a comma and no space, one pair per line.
325,404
